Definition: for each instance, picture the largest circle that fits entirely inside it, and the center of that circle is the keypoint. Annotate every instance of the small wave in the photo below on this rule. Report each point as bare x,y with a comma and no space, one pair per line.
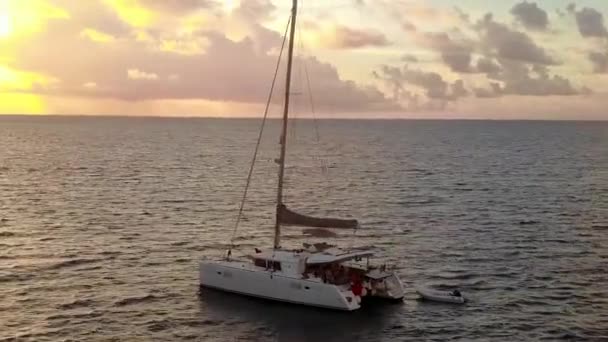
533,302
15,277
72,263
7,234
528,222
156,326
135,300
458,276
76,304
478,285
180,243
206,322
110,253
573,214
90,314
179,201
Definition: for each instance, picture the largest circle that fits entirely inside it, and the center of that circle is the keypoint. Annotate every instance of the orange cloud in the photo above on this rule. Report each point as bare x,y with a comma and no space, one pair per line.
96,36
343,37
168,65
133,12
136,74
14,80
18,18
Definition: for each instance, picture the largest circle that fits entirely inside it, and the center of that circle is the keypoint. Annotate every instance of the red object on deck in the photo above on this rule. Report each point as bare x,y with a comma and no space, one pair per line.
357,288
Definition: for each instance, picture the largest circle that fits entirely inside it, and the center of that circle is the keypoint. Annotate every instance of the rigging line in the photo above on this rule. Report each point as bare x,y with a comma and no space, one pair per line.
324,167
257,145
310,97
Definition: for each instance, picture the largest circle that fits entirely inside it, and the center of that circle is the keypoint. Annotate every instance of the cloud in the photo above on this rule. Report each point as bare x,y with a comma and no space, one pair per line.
15,80
517,78
487,66
531,16
256,11
408,26
184,44
179,6
506,43
136,74
409,58
342,37
411,15
227,70
495,90
454,53
96,36
132,12
571,8
599,61
459,90
96,16
590,22
496,41
464,17
438,92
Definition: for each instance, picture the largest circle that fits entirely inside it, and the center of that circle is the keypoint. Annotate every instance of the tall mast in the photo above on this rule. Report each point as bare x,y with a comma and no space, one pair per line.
277,226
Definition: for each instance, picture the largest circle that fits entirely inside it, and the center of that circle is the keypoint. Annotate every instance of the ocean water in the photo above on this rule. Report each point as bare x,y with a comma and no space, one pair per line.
103,222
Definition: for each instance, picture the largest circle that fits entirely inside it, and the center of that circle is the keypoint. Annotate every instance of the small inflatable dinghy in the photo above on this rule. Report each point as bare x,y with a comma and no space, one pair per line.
454,297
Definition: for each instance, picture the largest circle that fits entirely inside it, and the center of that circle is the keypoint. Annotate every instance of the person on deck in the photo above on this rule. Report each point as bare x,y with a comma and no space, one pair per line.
357,288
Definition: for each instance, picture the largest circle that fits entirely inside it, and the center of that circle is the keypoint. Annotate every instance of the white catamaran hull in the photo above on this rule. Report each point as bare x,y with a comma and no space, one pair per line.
236,277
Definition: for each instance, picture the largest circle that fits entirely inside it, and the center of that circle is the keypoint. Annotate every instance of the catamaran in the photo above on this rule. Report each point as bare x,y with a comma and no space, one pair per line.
319,275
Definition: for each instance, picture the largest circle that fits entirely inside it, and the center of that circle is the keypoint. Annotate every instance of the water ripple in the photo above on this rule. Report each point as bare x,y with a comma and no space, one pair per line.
103,221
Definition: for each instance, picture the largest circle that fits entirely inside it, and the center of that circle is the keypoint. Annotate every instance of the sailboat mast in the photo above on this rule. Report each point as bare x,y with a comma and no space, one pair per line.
277,226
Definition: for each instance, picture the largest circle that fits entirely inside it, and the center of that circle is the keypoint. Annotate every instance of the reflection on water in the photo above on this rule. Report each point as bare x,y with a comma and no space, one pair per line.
103,222
287,322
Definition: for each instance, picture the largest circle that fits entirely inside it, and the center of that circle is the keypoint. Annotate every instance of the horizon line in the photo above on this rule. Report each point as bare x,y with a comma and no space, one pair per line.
344,118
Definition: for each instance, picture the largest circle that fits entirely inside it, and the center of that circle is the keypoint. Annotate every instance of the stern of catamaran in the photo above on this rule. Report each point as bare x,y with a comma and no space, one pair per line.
383,284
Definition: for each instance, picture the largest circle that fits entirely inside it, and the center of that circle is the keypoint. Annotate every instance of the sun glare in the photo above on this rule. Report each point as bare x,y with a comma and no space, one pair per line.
19,103
5,25
133,12
230,5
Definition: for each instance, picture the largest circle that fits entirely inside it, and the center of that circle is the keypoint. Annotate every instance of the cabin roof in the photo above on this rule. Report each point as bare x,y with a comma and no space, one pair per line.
325,258
311,258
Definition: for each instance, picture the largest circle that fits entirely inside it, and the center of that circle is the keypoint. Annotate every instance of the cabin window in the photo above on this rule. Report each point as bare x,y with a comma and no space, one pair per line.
260,262
276,265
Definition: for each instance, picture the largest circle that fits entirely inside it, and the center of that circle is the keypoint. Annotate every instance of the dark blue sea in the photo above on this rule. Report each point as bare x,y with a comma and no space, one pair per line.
104,220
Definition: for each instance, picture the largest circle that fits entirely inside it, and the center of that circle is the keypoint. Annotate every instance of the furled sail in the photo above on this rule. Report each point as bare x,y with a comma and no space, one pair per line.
288,217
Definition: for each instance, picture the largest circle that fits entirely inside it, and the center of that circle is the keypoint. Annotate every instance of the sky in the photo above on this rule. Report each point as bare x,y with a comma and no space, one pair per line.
464,59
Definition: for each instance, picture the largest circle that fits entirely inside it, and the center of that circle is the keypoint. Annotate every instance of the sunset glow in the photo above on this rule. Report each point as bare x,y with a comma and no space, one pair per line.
394,59
5,25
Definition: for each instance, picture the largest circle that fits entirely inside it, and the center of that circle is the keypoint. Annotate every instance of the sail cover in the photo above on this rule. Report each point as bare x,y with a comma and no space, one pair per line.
288,217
